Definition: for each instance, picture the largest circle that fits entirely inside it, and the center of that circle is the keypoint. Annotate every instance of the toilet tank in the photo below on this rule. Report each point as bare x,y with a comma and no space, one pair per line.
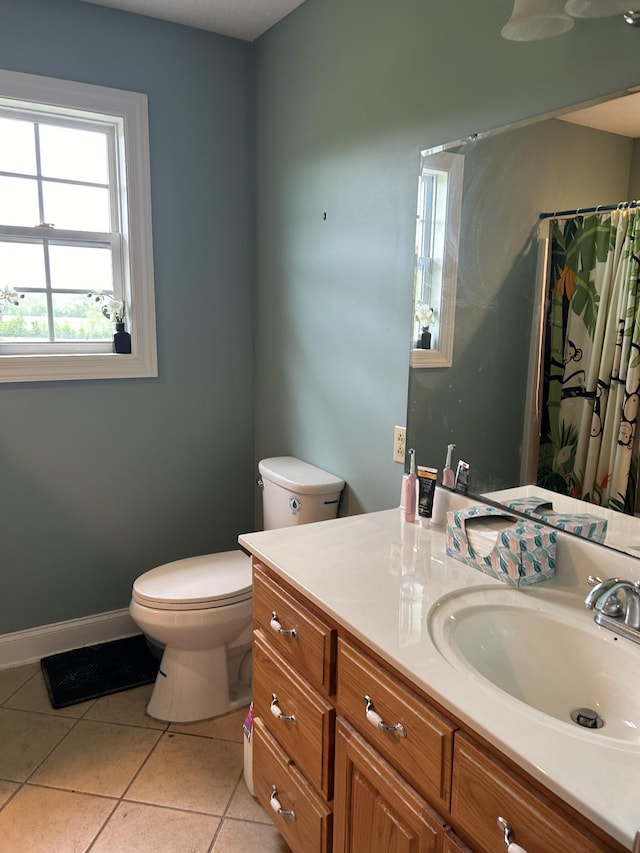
295,492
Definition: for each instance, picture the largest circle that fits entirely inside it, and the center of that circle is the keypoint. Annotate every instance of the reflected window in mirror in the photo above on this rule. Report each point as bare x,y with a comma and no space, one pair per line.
436,260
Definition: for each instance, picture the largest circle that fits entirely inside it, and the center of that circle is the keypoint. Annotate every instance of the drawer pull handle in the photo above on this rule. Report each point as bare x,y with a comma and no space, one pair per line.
511,846
376,720
275,710
275,805
275,624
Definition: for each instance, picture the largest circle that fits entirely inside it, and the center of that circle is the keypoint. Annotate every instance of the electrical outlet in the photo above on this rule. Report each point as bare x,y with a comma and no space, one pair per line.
399,444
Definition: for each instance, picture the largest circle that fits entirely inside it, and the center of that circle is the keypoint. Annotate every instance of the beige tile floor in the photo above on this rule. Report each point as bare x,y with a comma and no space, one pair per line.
104,777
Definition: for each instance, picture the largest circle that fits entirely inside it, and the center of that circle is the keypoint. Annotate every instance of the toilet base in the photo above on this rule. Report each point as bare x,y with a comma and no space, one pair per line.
193,685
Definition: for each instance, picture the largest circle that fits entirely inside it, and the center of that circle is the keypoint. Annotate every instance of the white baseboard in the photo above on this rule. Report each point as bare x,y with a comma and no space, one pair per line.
33,644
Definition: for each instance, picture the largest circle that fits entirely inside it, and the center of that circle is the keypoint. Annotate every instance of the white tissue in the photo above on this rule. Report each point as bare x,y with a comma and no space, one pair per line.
483,532
515,848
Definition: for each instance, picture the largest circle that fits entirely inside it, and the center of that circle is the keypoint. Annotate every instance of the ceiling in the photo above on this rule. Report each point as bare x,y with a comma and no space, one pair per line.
242,19
621,116
248,19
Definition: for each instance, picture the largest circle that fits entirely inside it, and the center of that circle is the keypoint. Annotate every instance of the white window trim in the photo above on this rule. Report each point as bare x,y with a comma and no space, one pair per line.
132,108
443,355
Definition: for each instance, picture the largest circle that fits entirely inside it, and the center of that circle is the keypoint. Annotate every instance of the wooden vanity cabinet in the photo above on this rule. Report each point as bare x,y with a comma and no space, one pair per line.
355,788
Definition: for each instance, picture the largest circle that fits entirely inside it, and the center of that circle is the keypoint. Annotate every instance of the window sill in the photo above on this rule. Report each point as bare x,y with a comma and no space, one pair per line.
429,358
57,368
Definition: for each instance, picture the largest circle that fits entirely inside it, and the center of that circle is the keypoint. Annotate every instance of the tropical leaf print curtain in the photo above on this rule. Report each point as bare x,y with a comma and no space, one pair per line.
589,437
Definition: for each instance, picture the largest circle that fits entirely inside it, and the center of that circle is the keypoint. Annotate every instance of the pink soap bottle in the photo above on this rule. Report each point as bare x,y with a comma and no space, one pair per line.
410,486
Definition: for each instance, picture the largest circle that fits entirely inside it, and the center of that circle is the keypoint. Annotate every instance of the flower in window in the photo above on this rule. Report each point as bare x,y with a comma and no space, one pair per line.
425,315
9,296
113,309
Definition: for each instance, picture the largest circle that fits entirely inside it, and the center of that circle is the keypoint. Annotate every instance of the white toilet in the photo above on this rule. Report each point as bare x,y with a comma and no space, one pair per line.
199,608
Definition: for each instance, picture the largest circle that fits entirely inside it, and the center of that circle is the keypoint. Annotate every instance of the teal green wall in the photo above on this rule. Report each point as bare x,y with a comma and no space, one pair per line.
349,92
102,480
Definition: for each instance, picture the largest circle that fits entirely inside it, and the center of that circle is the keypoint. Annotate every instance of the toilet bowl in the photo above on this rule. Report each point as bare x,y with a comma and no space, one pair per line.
199,608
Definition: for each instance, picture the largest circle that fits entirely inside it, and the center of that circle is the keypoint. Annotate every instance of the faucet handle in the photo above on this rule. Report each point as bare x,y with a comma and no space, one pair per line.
598,588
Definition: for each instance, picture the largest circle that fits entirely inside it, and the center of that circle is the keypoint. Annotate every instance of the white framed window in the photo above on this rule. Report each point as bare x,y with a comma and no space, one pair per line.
75,219
436,263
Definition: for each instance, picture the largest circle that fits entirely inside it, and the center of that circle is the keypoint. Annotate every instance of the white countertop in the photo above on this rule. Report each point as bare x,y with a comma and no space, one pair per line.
379,578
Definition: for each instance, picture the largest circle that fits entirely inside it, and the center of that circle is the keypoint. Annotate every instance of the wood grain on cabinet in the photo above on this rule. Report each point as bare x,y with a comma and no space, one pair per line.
308,739
424,755
485,789
310,828
452,844
312,649
375,810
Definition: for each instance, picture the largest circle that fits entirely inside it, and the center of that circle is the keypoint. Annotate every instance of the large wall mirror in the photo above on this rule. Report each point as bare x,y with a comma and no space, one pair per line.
486,401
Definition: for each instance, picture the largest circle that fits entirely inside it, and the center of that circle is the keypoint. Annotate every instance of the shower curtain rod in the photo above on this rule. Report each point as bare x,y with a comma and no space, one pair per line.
623,205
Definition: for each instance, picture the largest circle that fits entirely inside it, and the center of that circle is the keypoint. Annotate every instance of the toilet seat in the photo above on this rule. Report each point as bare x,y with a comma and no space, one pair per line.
196,583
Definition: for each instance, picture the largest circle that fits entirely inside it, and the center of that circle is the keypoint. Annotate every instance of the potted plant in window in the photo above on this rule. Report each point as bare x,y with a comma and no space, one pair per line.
425,316
113,309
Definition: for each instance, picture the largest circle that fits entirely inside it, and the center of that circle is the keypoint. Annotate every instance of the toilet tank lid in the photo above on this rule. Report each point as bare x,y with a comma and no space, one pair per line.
299,476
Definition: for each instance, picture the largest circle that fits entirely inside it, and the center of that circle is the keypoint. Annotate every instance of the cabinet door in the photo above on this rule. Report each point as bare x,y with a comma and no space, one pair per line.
375,810
303,639
484,789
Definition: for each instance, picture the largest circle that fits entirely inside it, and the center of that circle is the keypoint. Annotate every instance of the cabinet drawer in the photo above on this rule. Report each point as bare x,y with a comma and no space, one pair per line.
311,649
484,789
308,739
309,829
423,757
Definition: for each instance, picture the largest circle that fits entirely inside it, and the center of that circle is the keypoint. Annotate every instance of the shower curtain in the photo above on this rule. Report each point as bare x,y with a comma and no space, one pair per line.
591,385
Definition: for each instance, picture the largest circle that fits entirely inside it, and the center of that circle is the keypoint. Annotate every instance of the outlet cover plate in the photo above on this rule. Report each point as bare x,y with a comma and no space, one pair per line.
399,444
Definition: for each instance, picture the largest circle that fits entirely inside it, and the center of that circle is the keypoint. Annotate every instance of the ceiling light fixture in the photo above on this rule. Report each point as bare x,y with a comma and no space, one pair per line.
596,8
540,19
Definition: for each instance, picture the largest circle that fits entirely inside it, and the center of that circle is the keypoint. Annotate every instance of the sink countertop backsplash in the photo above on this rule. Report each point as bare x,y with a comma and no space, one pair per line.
381,577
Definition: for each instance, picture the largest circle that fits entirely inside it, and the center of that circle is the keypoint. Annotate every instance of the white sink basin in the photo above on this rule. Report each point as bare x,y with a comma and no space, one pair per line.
547,655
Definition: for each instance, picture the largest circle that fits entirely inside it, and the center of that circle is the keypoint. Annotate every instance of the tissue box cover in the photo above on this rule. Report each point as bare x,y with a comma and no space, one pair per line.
584,524
522,555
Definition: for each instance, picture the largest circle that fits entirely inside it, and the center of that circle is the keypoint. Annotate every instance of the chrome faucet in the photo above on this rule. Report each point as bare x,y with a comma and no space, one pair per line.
610,611
599,587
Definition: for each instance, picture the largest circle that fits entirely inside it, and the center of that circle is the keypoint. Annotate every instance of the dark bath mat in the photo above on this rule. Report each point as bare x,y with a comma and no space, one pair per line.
94,671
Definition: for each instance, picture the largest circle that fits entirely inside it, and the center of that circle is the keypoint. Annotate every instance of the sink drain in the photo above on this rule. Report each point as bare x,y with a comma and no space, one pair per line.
588,718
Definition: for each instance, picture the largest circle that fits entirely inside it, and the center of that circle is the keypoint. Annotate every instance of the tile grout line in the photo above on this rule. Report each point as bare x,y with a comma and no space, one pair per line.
36,672
122,799
24,782
224,814
162,731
